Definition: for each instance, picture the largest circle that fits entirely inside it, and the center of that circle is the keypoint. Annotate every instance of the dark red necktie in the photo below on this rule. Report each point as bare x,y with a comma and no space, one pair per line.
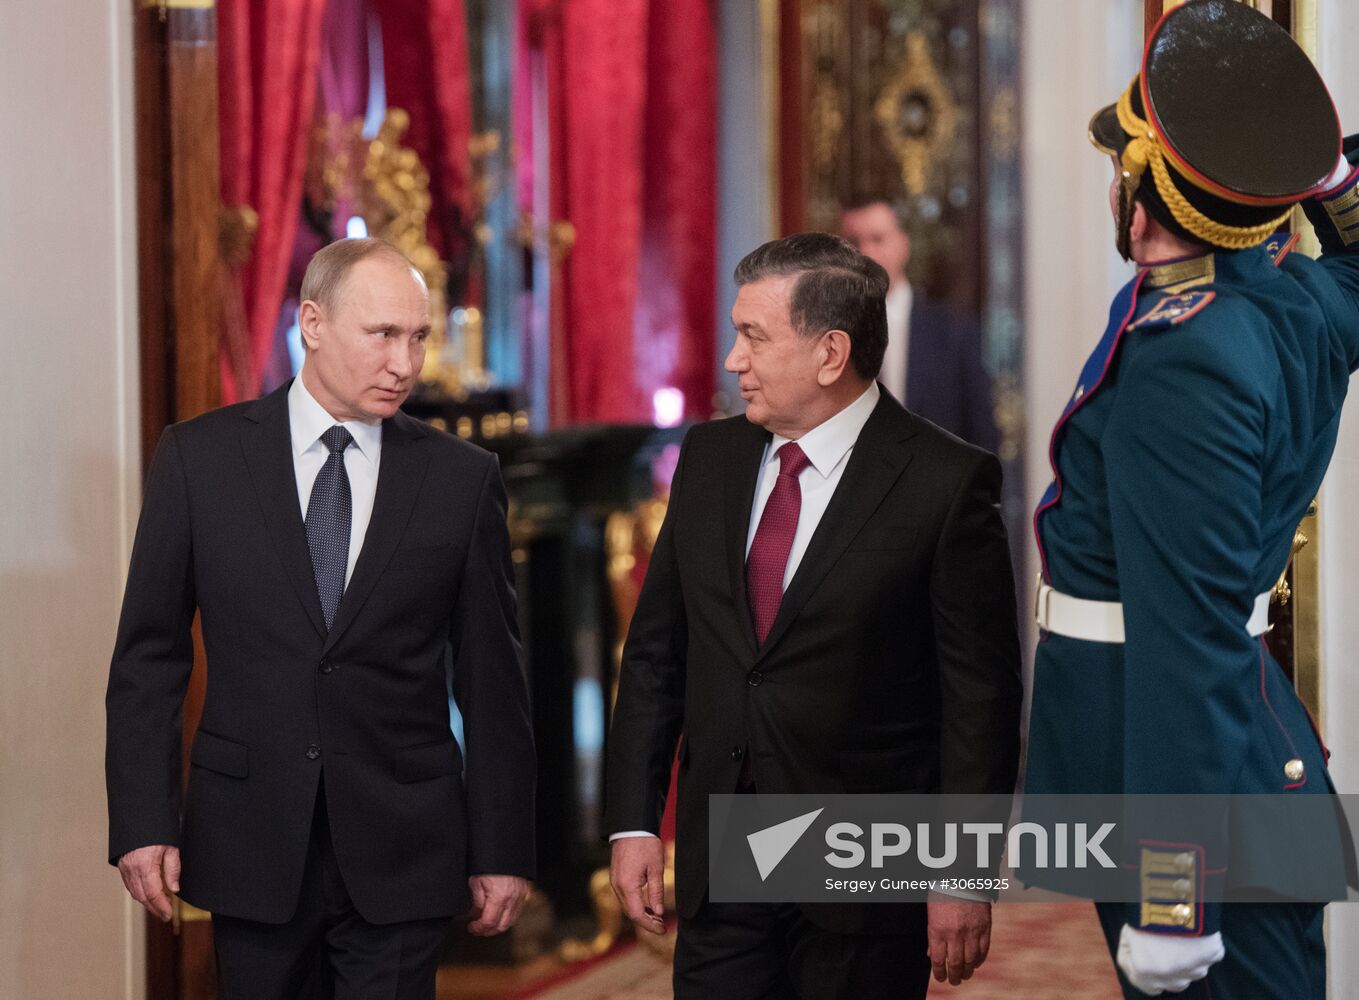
768,557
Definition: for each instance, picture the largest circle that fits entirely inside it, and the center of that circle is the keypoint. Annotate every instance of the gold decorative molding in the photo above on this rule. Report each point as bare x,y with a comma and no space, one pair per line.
769,81
236,229
1007,401
626,533
385,183
561,237
827,122
917,114
1307,613
1282,592
182,913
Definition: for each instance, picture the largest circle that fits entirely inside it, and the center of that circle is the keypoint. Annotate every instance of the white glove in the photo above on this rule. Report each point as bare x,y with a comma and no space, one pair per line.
1342,170
1160,963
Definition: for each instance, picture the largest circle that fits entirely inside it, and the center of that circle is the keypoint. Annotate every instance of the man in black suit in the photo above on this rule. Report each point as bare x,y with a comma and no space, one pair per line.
933,364
829,607
341,556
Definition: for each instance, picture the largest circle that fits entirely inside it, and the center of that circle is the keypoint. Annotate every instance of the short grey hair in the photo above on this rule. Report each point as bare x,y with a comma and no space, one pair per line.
330,265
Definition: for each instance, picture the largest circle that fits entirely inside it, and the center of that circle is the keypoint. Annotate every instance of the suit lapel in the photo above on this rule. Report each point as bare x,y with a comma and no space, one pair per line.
879,457
267,445
400,475
739,495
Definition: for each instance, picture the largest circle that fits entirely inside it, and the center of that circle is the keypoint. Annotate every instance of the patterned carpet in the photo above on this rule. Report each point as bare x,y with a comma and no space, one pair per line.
1039,951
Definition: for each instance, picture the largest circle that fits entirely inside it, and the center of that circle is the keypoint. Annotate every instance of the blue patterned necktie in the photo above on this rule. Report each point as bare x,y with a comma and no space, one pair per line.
329,517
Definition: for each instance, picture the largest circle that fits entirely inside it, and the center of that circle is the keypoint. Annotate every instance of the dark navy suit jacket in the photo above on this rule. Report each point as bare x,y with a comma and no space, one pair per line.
946,381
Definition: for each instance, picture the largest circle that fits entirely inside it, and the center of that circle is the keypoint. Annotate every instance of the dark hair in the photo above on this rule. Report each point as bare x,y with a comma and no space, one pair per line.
837,288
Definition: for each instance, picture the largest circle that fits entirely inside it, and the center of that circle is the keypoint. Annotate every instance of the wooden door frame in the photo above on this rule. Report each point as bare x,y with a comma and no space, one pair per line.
180,309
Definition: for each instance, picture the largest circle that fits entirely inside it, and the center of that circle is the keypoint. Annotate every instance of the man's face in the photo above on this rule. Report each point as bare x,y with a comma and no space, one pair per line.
874,232
365,351
777,368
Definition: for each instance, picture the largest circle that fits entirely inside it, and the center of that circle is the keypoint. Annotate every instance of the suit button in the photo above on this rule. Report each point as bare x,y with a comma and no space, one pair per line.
754,678
1185,862
313,752
737,753
1182,914
1294,770
326,666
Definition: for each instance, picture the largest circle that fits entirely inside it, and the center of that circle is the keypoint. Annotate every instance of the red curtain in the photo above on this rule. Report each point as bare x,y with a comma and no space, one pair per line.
267,59
603,89
632,102
424,44
677,298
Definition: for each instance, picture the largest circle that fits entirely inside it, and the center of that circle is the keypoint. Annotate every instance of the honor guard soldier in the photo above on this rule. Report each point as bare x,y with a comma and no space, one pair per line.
1197,435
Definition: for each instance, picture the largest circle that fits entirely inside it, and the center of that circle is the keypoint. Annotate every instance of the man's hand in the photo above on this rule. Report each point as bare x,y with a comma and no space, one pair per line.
151,874
637,875
1163,963
959,936
497,901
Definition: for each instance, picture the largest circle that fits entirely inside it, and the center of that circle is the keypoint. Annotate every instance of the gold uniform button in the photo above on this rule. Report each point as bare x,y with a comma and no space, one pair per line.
1182,914
1183,887
1294,770
1185,862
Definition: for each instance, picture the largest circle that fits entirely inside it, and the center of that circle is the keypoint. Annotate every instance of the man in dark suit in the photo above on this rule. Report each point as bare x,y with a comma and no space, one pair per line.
338,553
933,364
829,607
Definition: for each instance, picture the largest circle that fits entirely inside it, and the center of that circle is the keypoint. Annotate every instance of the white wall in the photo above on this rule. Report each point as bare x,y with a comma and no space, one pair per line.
1337,38
1076,59
68,492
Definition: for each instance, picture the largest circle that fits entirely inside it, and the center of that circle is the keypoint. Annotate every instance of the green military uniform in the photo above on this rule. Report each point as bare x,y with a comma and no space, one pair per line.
1196,437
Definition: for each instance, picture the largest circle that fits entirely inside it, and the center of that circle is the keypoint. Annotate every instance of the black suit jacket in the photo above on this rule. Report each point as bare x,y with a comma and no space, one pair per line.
946,378
892,666
366,704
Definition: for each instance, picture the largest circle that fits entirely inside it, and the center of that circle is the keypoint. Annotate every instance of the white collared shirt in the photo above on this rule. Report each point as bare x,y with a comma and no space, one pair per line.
827,446
307,421
899,301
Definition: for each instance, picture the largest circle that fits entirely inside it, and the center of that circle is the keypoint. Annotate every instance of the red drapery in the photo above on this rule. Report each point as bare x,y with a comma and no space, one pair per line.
632,102
424,44
267,60
603,90
679,246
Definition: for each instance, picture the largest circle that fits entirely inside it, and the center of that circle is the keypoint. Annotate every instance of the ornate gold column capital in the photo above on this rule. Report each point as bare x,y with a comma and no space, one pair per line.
180,4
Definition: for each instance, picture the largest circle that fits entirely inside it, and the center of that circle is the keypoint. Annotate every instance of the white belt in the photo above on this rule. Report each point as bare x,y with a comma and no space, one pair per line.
1102,621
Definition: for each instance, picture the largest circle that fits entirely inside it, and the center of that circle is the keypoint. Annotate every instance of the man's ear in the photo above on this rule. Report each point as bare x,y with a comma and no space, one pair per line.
309,317
1137,229
834,349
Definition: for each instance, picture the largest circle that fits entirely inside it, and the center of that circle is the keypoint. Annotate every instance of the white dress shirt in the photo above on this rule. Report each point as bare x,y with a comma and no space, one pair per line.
307,421
899,301
827,447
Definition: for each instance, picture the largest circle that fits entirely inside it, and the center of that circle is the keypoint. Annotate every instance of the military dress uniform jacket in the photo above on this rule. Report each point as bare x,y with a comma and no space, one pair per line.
365,703
1197,436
